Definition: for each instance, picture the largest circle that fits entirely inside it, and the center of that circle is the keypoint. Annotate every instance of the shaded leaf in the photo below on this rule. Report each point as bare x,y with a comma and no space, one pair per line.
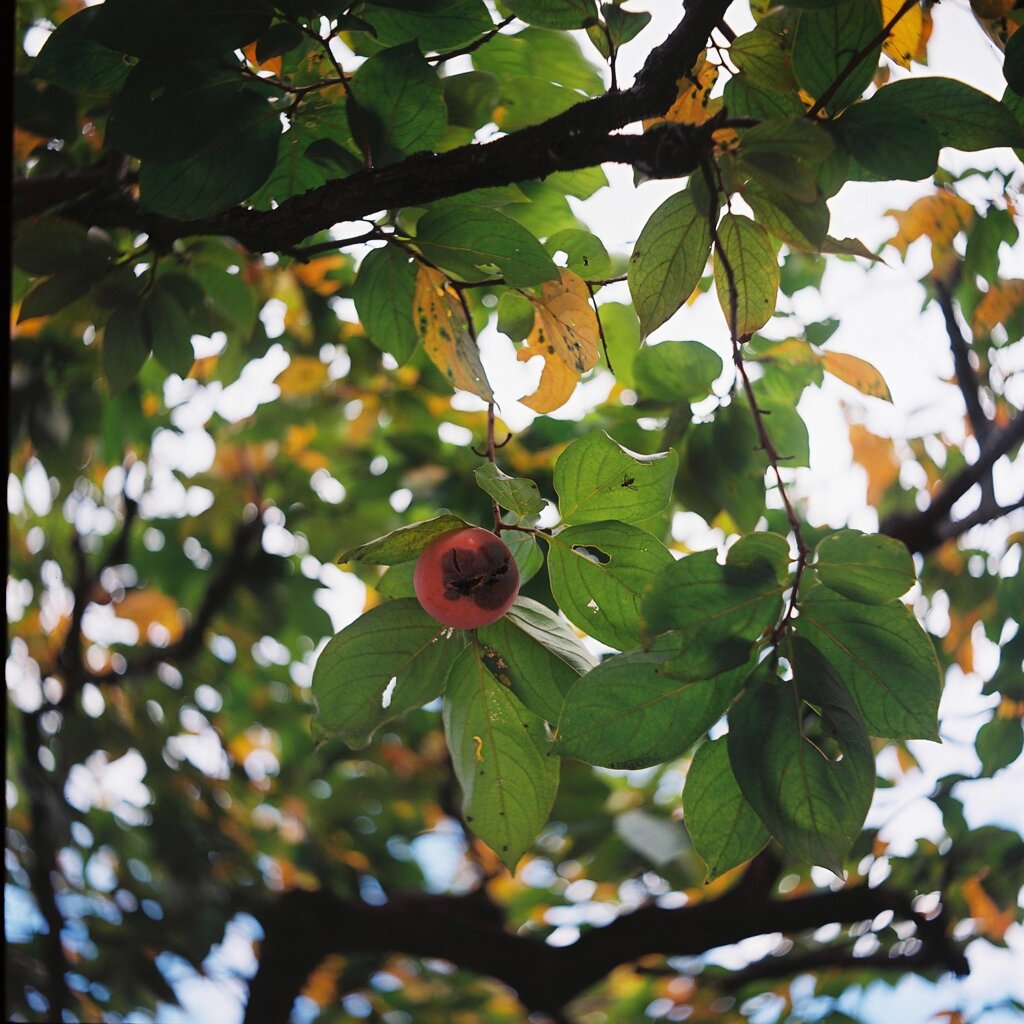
676,371
125,347
404,543
871,568
383,294
516,494
499,753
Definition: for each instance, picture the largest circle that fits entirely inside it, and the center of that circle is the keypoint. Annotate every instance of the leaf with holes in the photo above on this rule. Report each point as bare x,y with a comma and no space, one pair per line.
598,573
596,479
723,827
565,335
393,658
500,755
627,714
441,325
801,755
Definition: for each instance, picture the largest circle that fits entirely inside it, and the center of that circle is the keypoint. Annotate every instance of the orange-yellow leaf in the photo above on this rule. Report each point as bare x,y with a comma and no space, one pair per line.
1000,302
693,103
274,64
793,352
939,217
903,41
322,985
304,375
858,373
26,142
565,334
314,273
992,922
148,607
441,324
878,457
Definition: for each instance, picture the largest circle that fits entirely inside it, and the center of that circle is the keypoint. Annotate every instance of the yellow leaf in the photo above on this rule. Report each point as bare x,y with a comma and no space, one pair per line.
901,44
878,457
992,922
148,607
1000,302
793,352
940,217
25,143
693,104
314,274
858,373
304,375
441,324
274,64
565,334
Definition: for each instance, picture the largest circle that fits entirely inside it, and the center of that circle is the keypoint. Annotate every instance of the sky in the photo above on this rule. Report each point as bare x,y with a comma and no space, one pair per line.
881,320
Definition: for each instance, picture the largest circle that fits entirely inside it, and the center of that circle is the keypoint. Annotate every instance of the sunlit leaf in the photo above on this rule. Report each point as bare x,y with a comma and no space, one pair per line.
753,287
856,372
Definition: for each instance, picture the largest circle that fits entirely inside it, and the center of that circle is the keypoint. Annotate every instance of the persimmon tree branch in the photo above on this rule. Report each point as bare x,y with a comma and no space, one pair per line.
303,927
925,530
579,137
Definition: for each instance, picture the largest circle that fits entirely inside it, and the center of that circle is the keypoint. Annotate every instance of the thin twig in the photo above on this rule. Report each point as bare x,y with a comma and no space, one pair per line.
440,58
600,327
766,444
854,63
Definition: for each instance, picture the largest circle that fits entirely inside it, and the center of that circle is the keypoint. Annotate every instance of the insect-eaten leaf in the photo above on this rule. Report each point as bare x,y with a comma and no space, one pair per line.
443,328
565,334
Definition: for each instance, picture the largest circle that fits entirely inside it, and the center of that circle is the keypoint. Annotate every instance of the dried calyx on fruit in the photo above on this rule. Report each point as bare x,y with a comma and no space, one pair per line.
466,578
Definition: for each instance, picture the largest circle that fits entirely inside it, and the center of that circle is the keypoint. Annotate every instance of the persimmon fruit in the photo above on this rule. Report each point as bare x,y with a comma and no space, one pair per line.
466,578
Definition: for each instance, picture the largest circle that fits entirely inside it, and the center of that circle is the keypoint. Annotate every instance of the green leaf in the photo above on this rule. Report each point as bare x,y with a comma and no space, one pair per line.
71,59
278,39
597,479
803,760
433,24
744,97
659,840
53,294
539,53
826,41
124,347
627,714
47,245
802,224
526,551
755,273
723,827
676,371
555,13
622,25
999,743
887,142
401,102
770,548
527,100
959,115
714,612
516,494
668,260
167,29
478,243
516,314
763,56
169,330
794,138
499,753
586,253
869,568
404,543
1013,62
536,654
883,656
353,676
788,430
383,294
598,572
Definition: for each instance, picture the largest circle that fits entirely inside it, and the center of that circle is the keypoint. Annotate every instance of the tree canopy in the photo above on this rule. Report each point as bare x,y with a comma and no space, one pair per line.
226,701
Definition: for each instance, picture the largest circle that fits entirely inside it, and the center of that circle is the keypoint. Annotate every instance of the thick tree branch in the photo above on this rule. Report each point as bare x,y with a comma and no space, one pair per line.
579,137
926,530
301,928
